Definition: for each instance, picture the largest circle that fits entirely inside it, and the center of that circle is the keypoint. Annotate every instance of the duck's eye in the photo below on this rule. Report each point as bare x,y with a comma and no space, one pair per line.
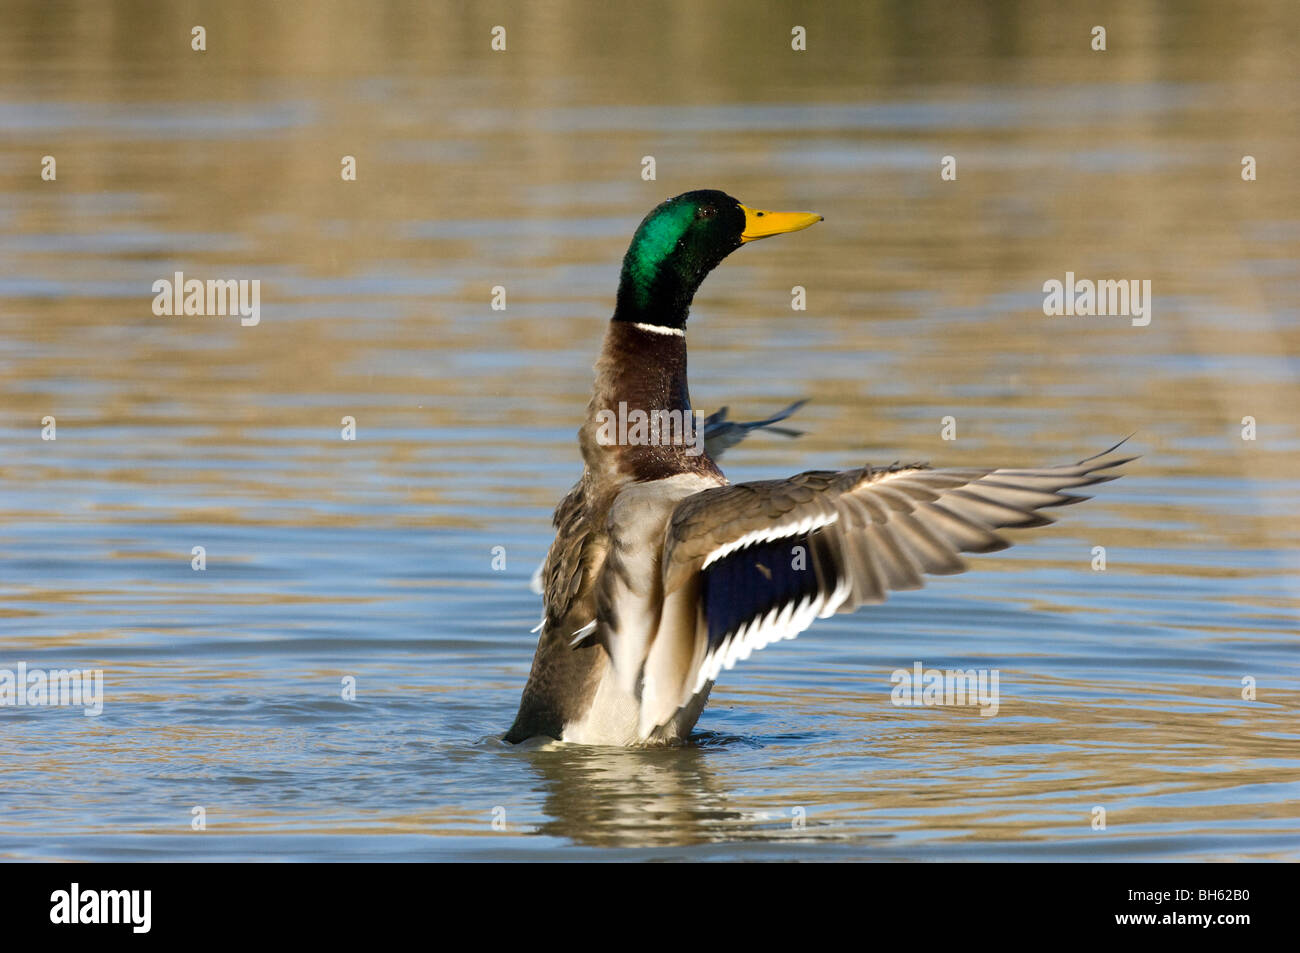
706,211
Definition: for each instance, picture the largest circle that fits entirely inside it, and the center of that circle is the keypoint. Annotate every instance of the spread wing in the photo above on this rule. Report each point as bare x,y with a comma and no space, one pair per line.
760,561
721,434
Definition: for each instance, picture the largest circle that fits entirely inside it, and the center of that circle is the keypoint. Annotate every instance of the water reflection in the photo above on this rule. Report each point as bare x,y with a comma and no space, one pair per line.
618,798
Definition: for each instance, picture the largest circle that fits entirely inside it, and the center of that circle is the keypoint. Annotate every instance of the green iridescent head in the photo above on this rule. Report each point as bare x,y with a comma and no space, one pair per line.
680,242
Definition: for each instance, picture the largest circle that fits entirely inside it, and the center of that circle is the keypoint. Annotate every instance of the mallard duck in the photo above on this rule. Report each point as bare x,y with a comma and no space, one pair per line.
662,573
720,435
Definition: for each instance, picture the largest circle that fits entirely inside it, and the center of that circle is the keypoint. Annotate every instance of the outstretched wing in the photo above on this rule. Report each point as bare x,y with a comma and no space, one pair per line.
721,434
763,560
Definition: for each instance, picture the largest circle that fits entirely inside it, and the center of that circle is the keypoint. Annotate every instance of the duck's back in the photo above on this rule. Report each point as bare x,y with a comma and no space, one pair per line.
603,591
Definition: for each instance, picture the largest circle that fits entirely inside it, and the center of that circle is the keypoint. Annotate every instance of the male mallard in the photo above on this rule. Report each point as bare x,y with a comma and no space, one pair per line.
662,573
720,435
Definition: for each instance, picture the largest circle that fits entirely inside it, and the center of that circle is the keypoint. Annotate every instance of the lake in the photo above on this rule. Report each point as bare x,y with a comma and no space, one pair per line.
332,684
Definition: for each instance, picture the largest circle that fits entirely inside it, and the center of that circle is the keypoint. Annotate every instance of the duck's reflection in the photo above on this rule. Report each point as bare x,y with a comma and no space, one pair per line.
630,797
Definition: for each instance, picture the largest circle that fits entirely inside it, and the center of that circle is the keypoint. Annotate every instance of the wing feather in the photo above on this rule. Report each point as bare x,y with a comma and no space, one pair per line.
762,560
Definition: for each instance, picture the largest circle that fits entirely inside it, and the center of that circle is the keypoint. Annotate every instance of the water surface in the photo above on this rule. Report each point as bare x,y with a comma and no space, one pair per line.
374,558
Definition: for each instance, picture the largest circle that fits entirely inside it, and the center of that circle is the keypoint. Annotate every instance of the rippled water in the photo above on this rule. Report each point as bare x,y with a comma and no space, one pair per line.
373,558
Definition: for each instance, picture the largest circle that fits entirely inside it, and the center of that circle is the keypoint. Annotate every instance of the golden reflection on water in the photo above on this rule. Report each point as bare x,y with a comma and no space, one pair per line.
523,169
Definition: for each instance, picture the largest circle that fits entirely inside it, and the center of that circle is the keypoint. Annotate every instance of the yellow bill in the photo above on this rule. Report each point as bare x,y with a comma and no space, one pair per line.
761,224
